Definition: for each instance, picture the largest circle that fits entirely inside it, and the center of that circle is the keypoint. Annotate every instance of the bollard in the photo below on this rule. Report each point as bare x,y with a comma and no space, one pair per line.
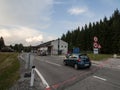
32,76
31,61
27,59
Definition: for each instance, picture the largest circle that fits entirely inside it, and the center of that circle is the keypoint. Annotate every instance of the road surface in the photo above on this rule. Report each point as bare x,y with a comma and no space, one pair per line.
59,76
101,76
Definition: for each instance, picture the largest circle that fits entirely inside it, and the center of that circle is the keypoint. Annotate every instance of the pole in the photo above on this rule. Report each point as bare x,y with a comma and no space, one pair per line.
27,59
58,45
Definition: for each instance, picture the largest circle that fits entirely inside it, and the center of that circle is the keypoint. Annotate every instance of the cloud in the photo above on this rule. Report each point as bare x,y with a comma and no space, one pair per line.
25,12
36,38
23,21
24,35
84,11
77,10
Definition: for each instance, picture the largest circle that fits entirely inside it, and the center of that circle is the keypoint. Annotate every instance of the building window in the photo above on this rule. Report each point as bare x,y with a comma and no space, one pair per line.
65,46
62,46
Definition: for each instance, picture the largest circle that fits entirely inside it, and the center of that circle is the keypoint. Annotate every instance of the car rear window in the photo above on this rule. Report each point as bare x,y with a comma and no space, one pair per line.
83,57
73,56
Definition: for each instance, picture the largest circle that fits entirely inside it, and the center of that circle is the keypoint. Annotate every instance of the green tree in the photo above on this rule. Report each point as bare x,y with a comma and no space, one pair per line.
18,47
2,44
107,31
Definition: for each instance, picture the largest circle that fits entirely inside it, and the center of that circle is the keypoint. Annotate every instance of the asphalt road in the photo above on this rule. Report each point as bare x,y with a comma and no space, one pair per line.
104,79
101,76
59,76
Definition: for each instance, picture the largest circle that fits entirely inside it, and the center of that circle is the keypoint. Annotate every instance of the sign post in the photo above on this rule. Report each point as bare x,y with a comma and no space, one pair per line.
95,51
96,45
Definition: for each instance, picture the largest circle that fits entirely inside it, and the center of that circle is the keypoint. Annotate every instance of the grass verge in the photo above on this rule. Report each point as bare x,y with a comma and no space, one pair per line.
99,57
9,70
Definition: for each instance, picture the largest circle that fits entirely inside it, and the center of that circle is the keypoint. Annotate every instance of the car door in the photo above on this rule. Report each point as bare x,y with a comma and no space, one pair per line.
68,60
73,60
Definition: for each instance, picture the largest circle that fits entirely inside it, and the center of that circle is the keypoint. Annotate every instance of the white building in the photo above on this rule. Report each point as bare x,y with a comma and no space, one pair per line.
54,47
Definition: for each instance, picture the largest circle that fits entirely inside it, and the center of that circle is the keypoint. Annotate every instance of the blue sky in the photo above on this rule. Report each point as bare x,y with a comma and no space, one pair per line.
31,21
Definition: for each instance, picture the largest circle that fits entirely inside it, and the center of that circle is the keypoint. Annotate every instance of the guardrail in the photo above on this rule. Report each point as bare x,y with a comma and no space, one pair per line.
29,58
40,76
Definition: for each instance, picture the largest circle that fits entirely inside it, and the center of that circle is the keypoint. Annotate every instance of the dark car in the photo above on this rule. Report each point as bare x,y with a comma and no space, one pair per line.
78,61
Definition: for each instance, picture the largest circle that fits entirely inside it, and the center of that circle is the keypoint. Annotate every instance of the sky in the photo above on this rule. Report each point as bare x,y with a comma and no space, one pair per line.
31,22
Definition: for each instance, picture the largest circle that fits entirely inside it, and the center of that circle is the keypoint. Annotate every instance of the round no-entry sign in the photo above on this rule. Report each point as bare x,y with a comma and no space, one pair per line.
95,39
95,45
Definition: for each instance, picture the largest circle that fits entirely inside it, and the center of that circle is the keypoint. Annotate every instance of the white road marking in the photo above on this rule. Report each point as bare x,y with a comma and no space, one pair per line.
42,78
21,57
100,78
53,63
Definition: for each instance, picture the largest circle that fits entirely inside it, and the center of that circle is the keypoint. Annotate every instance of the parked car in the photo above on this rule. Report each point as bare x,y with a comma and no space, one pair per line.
78,61
42,52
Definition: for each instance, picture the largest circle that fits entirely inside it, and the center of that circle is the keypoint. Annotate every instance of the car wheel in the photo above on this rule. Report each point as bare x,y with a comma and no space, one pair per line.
64,63
76,66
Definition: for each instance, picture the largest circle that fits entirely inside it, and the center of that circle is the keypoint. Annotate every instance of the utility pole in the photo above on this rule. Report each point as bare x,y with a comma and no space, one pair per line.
58,45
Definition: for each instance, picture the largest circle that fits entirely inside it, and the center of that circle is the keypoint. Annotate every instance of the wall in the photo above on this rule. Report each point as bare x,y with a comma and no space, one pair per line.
63,46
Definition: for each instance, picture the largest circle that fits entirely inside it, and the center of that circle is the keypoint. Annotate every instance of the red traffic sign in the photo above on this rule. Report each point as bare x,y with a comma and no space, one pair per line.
95,45
95,39
99,46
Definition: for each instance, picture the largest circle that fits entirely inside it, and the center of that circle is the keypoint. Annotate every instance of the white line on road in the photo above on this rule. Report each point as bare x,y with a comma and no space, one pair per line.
100,78
53,63
42,78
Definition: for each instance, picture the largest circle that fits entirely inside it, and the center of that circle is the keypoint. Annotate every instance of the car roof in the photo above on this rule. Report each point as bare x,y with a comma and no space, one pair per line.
79,54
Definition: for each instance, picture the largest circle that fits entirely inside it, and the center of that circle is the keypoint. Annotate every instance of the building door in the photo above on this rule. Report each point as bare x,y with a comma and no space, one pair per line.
49,50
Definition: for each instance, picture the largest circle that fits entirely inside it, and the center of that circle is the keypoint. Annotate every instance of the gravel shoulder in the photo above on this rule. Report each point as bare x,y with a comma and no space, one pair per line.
24,82
109,63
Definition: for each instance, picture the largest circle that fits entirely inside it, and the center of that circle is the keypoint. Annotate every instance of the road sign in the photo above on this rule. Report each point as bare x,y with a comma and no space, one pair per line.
99,46
95,39
95,50
95,45
76,50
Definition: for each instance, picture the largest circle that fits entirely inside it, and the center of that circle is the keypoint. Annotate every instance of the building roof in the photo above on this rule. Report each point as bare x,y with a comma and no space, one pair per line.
46,44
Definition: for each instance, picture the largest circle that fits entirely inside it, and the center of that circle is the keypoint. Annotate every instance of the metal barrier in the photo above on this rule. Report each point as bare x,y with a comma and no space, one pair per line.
29,61
40,76
29,65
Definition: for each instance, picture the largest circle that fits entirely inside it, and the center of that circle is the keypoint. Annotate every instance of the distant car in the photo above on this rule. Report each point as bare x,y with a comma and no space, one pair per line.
42,53
78,61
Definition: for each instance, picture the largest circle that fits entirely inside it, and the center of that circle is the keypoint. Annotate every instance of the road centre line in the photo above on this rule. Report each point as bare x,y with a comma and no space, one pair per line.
53,63
100,78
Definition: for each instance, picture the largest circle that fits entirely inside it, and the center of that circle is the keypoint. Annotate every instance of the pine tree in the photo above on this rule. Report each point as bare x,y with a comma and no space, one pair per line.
2,44
107,31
